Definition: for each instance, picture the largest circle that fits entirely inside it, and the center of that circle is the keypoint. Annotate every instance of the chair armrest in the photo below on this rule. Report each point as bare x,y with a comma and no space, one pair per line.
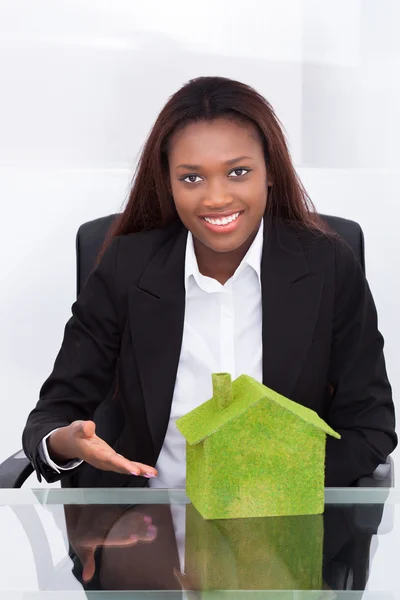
15,470
383,476
368,517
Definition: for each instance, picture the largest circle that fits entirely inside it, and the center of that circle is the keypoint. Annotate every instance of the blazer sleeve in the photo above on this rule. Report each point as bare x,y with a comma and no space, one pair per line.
84,369
361,408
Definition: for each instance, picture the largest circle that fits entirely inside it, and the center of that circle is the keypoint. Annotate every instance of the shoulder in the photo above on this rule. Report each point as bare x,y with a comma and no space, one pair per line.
133,252
148,241
342,271
152,236
327,254
330,250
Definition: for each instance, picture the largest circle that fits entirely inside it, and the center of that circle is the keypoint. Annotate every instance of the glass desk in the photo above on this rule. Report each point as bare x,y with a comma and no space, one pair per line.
64,544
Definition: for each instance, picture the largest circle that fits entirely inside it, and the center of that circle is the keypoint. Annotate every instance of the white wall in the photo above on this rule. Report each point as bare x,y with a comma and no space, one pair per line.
81,84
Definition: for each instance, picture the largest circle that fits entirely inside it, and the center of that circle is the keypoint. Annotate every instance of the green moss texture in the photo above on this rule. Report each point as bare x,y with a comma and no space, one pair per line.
254,453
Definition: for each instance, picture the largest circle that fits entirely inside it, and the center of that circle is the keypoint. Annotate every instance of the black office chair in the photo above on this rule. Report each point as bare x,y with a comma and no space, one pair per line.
350,570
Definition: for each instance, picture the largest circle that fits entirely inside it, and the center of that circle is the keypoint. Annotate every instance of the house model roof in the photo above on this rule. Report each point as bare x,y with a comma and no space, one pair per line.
231,400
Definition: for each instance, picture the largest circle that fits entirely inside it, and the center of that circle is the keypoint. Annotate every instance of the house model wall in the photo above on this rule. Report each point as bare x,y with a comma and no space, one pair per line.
253,453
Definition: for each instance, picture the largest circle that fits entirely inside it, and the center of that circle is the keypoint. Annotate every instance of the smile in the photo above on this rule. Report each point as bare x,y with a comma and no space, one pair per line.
222,224
223,220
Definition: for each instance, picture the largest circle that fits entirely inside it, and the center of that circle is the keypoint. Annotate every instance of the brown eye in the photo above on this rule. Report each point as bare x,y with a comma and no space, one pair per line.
238,172
191,178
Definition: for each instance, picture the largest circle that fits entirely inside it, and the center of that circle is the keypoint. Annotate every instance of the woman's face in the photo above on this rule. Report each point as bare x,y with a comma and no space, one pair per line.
219,182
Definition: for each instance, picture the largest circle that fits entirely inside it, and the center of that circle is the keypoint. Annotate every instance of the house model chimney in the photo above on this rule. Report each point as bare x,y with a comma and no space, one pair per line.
222,389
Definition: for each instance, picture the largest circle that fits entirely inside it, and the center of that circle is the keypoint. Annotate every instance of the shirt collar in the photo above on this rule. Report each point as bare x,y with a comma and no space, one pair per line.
252,257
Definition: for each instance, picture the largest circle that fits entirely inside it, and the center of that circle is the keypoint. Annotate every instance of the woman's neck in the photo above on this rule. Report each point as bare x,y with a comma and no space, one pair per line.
219,265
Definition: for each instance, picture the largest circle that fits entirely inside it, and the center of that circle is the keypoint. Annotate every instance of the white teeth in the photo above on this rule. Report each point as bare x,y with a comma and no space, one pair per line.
223,221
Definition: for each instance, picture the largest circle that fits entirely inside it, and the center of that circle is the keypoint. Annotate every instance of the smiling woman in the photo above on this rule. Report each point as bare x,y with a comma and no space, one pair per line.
217,160
219,263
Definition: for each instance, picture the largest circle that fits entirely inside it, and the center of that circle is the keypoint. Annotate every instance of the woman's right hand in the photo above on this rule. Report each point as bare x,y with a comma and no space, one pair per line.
79,441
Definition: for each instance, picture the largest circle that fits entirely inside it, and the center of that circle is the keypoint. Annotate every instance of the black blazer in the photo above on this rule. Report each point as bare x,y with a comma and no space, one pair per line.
321,348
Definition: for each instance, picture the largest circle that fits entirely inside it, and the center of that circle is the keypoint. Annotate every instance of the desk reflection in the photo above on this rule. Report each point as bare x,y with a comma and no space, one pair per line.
135,548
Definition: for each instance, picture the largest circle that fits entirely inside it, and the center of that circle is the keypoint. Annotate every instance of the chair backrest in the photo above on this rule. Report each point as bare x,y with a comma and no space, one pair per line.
91,235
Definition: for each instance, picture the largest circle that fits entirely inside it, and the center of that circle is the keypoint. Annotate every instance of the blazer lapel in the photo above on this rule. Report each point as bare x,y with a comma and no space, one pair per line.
291,296
157,308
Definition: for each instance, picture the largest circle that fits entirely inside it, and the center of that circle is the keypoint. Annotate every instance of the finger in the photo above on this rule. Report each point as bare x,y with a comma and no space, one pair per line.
123,465
88,428
144,470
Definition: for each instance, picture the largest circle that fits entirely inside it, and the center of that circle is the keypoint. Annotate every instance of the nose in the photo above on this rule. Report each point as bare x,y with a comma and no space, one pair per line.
217,196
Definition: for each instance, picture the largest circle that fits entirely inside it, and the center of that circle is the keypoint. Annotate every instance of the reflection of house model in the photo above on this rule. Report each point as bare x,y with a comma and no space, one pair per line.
270,553
253,453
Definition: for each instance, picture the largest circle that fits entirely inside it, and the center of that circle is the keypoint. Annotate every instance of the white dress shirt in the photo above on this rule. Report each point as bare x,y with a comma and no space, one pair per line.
222,333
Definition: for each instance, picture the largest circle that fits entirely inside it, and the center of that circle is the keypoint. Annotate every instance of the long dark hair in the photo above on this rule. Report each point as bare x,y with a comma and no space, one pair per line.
150,204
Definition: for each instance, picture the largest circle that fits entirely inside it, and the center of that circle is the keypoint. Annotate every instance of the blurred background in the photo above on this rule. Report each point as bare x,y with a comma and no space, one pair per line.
81,83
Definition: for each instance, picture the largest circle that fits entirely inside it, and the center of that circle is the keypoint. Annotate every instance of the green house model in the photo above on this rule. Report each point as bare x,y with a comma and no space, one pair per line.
251,452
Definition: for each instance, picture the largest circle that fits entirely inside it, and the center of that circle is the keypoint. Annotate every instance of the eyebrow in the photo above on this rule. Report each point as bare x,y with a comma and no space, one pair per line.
231,161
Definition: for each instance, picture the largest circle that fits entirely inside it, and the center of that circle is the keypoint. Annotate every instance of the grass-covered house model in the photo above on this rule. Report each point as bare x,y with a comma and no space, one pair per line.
253,453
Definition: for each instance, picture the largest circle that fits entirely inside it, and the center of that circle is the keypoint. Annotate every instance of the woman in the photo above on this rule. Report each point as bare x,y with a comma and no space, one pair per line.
218,263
